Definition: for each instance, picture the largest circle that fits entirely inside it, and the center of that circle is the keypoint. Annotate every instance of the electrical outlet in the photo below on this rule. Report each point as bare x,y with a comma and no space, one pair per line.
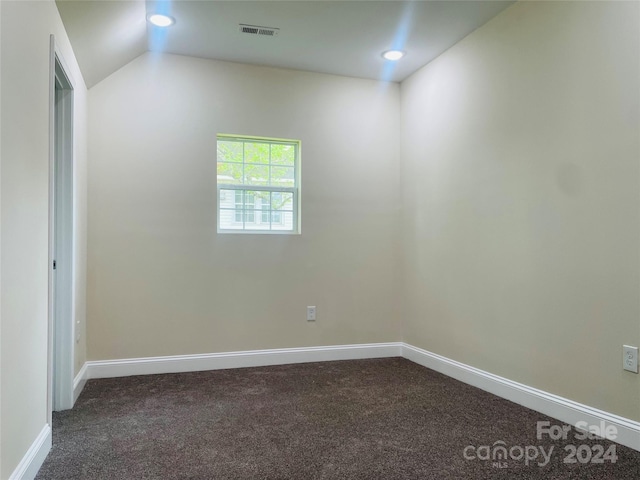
630,358
311,314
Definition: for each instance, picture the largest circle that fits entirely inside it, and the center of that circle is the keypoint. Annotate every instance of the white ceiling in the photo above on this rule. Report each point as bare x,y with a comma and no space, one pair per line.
338,37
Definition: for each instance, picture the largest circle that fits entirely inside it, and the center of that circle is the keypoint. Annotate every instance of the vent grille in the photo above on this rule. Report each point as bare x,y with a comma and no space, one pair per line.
257,30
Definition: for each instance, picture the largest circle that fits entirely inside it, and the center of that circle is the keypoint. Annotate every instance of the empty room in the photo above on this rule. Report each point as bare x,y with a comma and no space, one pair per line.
319,239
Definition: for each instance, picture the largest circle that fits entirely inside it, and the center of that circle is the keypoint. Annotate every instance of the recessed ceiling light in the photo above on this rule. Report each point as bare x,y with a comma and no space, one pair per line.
160,20
393,55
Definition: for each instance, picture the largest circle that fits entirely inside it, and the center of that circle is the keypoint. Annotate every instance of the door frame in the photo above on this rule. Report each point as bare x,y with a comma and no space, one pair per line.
61,345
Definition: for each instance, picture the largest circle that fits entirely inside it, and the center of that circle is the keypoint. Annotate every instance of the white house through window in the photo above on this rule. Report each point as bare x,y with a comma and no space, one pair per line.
244,206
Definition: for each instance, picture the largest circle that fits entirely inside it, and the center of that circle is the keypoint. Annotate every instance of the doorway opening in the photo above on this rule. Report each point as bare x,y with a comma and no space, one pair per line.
61,276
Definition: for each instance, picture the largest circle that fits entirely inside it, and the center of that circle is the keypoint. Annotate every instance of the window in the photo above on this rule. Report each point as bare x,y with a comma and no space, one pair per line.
258,186
277,199
238,206
240,210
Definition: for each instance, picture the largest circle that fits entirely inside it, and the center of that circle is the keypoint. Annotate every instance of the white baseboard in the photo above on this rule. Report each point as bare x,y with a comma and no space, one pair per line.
563,409
251,358
35,456
79,382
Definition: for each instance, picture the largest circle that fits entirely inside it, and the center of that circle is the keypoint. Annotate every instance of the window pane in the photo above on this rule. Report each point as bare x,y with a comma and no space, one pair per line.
229,173
285,224
257,224
239,206
229,151
250,201
264,199
265,205
256,153
282,176
284,201
227,198
256,174
276,202
228,201
283,154
228,219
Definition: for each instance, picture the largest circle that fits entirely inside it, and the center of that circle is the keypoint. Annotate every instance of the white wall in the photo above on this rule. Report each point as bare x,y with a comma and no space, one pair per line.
163,282
0,240
521,200
24,197
80,220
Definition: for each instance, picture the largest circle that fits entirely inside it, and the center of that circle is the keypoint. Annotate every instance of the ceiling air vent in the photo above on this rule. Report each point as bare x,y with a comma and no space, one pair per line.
257,30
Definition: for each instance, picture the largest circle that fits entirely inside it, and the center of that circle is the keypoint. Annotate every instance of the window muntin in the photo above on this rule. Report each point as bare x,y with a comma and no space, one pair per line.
244,206
239,205
257,185
265,206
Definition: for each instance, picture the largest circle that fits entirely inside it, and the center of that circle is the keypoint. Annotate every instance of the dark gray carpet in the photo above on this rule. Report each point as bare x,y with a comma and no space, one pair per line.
365,419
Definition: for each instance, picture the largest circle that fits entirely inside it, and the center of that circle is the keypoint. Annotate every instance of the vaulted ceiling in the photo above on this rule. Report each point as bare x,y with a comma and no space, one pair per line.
337,37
